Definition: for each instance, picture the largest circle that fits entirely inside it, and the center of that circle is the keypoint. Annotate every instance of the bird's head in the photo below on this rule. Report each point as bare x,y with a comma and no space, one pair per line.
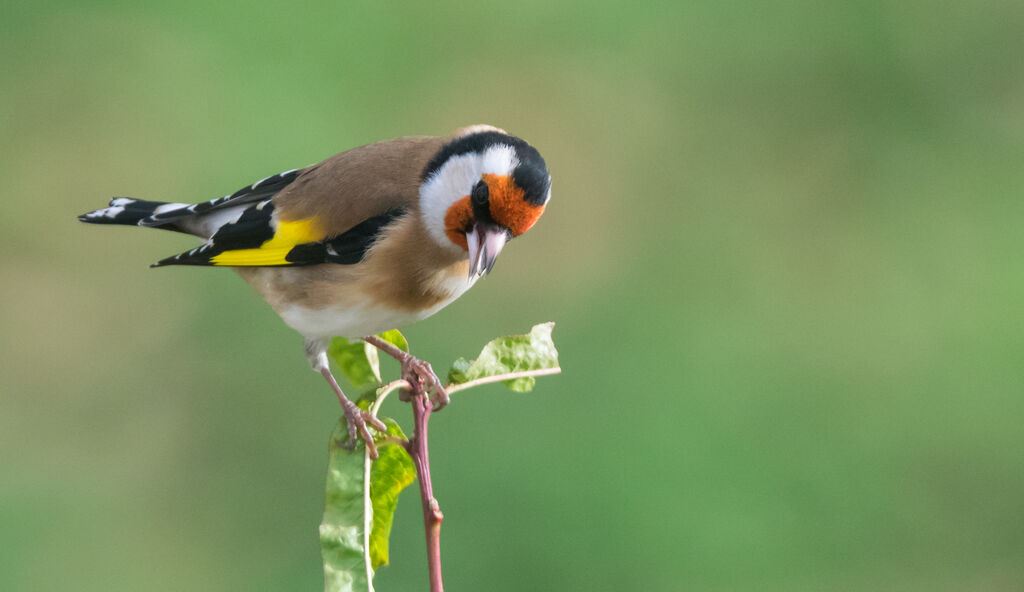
482,189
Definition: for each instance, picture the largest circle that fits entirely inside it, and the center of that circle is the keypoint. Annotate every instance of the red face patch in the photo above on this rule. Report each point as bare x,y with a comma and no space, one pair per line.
457,220
508,208
508,205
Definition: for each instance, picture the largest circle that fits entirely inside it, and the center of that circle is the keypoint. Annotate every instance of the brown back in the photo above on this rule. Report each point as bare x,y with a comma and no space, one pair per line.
357,184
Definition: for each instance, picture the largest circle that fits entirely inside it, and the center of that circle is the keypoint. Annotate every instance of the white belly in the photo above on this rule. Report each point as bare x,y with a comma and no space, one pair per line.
360,320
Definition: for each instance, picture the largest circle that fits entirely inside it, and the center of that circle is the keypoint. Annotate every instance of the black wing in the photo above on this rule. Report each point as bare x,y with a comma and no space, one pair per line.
258,191
250,242
347,248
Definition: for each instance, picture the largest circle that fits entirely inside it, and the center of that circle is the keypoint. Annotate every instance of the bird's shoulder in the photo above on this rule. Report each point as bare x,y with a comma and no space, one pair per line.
357,184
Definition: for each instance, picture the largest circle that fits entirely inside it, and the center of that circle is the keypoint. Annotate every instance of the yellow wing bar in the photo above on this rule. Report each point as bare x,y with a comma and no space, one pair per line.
287,235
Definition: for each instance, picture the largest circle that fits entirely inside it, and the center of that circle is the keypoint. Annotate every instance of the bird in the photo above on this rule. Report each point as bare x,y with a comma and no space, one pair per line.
371,239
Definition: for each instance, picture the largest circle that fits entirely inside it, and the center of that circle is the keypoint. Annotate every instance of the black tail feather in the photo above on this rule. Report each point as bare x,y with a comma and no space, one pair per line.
122,210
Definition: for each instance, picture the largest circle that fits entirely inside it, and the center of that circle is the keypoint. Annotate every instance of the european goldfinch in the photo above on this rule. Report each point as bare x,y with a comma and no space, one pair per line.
370,239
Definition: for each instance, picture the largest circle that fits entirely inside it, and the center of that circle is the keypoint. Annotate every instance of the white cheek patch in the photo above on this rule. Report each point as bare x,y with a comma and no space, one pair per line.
455,179
499,160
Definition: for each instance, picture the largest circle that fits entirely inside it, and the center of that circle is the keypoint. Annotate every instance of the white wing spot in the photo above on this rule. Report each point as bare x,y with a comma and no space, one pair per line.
169,208
257,183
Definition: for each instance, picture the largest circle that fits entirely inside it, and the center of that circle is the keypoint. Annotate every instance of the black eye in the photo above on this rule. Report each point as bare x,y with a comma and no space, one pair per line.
480,194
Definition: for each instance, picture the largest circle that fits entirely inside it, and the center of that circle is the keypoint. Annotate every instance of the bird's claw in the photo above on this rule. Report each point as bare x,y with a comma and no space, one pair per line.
418,372
356,420
440,399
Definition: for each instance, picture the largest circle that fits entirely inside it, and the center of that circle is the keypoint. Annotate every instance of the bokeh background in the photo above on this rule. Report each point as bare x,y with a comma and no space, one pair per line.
784,255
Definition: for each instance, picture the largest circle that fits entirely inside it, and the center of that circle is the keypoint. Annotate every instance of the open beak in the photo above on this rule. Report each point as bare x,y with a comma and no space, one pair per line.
485,242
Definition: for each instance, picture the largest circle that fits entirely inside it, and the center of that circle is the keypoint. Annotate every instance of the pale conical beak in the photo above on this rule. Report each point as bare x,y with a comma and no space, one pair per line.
485,242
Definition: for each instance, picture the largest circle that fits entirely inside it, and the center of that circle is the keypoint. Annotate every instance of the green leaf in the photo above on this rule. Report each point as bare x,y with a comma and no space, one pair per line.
343,540
392,472
512,353
350,556
353,507
395,337
357,360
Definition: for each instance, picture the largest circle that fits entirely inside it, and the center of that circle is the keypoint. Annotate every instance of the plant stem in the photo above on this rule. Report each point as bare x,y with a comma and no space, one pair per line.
417,447
454,388
390,349
432,516
413,369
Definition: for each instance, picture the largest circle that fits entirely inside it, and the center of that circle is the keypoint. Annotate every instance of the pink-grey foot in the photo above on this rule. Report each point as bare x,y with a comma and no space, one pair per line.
414,371
356,419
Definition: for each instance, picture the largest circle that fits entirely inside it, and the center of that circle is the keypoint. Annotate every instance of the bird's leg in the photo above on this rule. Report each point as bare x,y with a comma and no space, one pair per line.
355,418
414,370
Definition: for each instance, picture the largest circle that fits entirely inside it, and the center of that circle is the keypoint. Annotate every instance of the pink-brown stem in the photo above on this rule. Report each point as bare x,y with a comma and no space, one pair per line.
414,370
432,516
416,446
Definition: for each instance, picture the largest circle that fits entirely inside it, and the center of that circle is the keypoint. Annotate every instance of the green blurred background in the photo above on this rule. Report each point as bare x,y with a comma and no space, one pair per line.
783,253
